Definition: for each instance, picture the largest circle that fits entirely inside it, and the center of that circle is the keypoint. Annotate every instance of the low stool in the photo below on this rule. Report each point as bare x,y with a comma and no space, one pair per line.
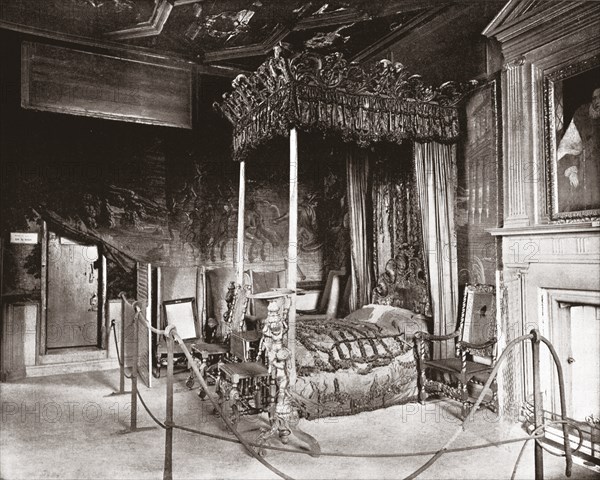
246,387
207,356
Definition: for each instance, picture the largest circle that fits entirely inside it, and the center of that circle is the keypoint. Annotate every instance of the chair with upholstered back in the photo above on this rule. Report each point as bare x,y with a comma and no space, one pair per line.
180,312
460,376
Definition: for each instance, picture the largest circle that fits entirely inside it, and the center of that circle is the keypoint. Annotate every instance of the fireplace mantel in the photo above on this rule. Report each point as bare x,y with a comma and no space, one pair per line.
546,229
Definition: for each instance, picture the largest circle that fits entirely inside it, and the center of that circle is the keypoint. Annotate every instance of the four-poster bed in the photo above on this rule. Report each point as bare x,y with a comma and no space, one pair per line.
364,107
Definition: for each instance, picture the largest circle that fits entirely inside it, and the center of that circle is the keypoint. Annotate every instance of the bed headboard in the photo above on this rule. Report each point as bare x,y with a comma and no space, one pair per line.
404,283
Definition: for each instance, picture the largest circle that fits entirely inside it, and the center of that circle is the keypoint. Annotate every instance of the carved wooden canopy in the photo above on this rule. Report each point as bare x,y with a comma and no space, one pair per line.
381,101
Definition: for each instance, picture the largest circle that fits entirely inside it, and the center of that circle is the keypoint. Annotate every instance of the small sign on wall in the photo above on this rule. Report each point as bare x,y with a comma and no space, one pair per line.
24,237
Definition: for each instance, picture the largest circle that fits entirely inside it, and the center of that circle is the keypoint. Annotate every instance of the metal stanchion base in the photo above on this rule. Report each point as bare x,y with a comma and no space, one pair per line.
138,429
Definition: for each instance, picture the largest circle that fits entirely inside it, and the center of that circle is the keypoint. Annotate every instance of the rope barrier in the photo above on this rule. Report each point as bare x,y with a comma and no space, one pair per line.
119,359
171,334
152,416
531,336
536,435
140,317
357,455
123,297
562,422
515,468
251,451
461,427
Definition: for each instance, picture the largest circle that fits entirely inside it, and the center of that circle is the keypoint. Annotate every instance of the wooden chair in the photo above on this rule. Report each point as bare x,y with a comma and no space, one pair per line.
458,377
244,384
210,354
180,312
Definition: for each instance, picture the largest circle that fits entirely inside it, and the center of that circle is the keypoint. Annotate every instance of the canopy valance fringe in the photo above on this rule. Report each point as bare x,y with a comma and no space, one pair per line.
362,104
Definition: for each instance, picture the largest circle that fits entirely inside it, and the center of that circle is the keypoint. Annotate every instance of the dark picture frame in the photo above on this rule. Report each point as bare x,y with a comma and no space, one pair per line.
572,162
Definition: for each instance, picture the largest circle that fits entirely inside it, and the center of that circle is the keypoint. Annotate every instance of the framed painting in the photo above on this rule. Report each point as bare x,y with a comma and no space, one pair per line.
572,123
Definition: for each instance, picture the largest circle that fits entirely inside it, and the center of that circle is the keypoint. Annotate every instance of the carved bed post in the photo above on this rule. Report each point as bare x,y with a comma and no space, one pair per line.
293,249
239,252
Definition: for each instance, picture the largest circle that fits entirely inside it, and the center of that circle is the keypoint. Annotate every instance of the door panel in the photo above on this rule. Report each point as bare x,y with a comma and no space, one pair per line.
144,297
583,364
72,319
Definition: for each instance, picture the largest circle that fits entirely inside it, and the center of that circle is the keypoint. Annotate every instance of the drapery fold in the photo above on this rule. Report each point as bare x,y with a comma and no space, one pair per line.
361,267
397,235
435,167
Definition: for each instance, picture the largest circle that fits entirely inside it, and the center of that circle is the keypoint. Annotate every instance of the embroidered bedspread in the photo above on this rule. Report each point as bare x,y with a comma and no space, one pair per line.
359,363
331,345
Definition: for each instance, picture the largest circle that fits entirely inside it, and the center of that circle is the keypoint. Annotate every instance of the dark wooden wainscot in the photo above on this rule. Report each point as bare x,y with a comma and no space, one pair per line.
62,80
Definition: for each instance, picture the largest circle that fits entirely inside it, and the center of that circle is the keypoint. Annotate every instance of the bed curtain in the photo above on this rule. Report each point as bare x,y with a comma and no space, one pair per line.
361,265
435,167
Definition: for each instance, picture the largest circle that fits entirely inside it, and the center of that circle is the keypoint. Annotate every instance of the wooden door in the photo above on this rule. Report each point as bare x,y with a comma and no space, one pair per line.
73,294
582,367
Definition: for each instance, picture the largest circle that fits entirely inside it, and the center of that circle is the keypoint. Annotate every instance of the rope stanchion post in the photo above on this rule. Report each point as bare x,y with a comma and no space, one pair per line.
563,407
122,362
168,468
120,351
172,337
537,403
137,318
122,374
134,371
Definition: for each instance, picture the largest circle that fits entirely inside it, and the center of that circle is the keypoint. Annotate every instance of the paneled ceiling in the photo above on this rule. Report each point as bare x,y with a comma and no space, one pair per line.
234,33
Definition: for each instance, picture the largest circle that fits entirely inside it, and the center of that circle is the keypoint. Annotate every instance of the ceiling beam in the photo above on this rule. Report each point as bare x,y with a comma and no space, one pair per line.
396,35
255,50
330,19
177,3
149,28
126,51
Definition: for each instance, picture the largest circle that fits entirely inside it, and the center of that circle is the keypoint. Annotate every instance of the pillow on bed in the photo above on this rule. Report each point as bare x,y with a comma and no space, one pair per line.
391,320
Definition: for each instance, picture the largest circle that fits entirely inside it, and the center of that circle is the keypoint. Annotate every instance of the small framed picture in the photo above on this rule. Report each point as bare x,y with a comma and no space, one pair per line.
572,123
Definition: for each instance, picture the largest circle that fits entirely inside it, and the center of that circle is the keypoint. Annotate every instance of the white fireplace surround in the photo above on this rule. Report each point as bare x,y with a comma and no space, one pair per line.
570,319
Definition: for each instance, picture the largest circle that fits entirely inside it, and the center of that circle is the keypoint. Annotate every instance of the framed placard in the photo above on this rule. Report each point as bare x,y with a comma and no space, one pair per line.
24,238
572,119
62,80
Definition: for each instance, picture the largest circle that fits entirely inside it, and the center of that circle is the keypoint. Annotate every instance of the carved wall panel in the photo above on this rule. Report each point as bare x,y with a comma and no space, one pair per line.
478,171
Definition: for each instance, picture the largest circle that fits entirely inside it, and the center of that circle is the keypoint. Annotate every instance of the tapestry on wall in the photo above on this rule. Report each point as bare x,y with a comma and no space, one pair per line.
203,210
169,204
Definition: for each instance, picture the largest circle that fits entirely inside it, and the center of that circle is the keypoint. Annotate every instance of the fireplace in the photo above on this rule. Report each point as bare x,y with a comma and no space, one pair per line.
570,319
